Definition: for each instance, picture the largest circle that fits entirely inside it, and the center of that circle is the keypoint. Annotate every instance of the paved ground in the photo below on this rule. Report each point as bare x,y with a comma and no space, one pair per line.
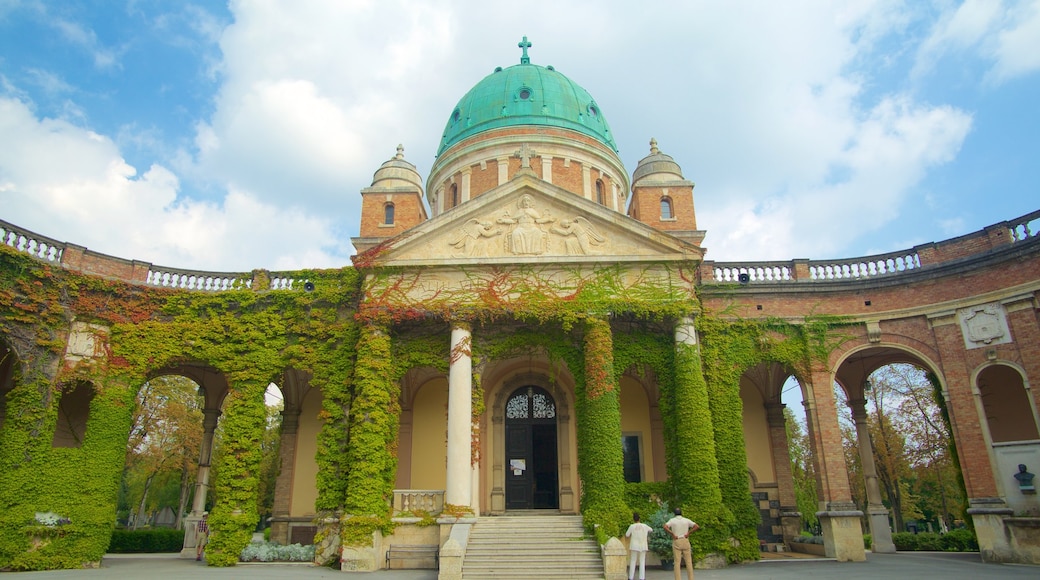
892,566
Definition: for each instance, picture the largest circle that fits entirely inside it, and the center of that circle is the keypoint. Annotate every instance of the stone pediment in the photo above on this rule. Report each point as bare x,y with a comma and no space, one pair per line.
528,220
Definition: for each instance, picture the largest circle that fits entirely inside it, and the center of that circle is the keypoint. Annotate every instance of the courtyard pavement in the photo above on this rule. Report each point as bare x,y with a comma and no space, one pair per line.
947,566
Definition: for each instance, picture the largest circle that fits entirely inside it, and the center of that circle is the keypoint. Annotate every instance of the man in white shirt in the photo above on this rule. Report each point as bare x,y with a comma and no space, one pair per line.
637,545
679,528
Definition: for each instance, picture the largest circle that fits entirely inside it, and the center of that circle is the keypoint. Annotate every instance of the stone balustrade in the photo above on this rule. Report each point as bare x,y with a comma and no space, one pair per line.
1020,230
1023,228
411,501
193,280
30,243
867,267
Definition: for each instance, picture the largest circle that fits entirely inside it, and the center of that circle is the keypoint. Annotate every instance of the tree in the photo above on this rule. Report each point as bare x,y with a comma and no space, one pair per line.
164,443
803,470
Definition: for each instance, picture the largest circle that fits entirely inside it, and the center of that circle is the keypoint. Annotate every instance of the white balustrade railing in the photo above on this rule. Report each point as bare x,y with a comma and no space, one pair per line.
867,267
754,272
1025,227
204,281
412,501
35,245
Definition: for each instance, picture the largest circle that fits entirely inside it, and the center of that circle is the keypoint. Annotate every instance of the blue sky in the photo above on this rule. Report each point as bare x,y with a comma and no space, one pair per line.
232,136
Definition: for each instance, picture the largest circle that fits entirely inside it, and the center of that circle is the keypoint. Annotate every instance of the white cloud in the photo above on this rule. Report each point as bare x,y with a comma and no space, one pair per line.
62,180
772,108
1005,33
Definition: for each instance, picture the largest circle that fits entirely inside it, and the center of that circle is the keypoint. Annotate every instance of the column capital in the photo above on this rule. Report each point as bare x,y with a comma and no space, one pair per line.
209,419
775,414
290,420
859,409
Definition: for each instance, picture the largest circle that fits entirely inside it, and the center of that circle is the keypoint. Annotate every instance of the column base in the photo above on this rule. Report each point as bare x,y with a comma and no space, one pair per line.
843,535
880,531
790,524
988,514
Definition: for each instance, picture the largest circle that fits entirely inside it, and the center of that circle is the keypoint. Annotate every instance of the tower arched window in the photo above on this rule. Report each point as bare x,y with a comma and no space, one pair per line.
388,214
454,195
600,198
666,209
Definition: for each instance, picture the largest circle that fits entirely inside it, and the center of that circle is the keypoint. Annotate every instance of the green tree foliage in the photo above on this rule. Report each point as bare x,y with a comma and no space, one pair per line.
163,446
803,470
911,444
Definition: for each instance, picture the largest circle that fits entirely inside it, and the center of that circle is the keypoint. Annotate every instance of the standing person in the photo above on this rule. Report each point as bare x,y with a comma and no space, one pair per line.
679,528
201,536
637,545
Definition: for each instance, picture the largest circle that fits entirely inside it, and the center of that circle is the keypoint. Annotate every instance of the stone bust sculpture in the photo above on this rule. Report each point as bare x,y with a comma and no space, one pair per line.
1025,479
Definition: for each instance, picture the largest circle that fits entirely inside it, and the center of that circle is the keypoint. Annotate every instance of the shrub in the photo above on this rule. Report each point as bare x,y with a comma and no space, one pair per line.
867,540
659,541
954,541
962,540
146,541
273,552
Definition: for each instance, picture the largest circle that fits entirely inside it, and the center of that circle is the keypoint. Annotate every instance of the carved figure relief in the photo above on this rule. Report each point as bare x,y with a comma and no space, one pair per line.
528,231
984,325
527,238
466,237
579,235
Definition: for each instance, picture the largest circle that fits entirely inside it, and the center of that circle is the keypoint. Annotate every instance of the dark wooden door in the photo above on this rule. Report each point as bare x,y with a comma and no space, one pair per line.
519,488
532,467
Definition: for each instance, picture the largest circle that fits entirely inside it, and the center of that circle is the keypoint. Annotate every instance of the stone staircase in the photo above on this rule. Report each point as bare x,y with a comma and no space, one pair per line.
531,545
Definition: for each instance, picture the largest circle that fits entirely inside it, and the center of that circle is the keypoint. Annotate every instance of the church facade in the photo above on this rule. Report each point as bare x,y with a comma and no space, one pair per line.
529,329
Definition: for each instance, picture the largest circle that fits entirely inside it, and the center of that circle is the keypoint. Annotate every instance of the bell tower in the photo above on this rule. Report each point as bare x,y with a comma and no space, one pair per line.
662,198
392,204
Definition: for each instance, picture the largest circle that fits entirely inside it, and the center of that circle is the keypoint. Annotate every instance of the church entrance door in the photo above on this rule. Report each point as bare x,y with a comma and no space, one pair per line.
532,479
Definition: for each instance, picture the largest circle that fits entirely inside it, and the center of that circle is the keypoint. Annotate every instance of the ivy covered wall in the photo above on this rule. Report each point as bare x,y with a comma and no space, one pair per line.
357,341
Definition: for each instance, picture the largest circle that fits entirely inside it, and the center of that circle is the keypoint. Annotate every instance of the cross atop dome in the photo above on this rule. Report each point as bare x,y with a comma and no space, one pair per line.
525,44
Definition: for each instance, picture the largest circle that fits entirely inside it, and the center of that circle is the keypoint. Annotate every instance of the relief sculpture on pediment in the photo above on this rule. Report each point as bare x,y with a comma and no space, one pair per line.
527,231
527,238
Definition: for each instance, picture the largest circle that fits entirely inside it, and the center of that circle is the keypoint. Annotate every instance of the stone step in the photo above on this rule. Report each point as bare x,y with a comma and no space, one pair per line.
531,545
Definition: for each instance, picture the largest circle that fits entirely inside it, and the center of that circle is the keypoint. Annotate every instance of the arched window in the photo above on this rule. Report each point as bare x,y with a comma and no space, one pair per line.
666,208
388,214
454,195
600,199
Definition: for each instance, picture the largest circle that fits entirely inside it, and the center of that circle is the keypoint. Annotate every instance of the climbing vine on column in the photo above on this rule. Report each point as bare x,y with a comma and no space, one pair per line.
600,458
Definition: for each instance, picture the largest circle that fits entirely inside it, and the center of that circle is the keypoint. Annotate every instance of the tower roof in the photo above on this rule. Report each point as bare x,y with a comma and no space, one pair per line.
526,94
656,165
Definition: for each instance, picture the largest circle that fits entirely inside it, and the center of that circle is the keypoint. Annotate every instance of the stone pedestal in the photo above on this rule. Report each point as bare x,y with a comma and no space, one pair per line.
614,560
191,522
988,514
880,532
843,535
791,523
362,558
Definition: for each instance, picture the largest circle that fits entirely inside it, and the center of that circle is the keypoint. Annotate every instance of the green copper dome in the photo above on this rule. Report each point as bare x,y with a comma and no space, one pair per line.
526,94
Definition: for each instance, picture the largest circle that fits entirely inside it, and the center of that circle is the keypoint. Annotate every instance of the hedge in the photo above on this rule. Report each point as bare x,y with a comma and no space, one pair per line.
961,540
146,541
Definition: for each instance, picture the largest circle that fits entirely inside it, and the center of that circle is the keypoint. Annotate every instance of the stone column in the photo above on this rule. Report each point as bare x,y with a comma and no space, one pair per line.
547,168
880,531
282,508
464,190
790,517
458,482
839,518
198,506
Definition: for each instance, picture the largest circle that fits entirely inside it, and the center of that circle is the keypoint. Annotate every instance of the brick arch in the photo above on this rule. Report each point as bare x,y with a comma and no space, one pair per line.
854,365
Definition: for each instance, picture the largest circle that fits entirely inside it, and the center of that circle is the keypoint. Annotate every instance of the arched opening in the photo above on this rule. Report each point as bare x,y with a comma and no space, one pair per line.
600,195
73,415
454,195
532,479
388,214
7,377
666,208
1006,404
163,453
